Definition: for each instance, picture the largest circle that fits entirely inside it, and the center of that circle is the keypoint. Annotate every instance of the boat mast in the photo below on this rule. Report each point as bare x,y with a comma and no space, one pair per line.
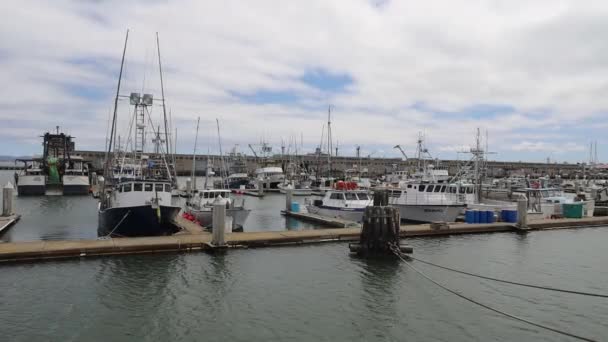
329,146
194,155
162,92
113,131
219,138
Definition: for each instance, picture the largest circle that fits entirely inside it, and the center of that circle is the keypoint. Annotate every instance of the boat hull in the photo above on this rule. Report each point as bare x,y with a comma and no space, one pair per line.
137,221
31,185
76,185
205,217
355,214
31,190
429,213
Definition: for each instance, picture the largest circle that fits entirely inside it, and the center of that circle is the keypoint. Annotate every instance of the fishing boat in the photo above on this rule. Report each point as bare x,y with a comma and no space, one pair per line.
56,172
75,179
297,188
137,200
344,202
427,202
270,176
201,207
31,180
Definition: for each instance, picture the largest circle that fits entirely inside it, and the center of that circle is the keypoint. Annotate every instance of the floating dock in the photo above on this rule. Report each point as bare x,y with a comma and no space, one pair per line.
7,221
186,242
323,220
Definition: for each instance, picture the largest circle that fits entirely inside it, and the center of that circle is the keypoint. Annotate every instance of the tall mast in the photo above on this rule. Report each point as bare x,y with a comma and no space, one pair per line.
329,146
162,92
219,139
113,131
194,155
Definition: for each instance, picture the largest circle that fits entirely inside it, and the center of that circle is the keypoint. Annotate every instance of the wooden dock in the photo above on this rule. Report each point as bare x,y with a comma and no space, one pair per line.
7,221
186,242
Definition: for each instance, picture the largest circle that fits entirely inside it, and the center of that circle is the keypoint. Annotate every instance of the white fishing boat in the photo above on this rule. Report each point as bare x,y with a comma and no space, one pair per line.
343,204
31,180
426,202
297,189
76,177
201,207
270,176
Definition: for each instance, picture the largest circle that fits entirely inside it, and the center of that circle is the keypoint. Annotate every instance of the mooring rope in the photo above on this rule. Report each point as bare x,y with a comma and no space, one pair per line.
509,281
395,250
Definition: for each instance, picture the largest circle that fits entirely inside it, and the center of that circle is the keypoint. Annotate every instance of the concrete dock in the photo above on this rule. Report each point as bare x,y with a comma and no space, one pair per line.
186,242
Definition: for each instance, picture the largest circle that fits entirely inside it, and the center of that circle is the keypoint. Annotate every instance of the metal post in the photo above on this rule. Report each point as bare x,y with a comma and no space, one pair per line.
522,213
219,222
7,199
189,186
260,187
288,195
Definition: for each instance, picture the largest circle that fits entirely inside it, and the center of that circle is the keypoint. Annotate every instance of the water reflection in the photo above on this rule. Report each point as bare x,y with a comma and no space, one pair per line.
379,277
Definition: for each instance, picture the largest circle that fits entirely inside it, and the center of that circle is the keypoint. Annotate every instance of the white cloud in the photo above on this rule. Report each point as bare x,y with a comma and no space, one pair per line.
538,57
541,146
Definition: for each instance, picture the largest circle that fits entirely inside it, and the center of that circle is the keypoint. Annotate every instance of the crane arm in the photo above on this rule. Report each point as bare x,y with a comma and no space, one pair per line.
400,149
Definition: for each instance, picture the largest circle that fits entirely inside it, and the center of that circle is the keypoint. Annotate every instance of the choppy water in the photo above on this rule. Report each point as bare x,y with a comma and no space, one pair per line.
306,293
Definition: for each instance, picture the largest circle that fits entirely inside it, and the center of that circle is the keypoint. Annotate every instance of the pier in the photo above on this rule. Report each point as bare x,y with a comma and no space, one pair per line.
200,241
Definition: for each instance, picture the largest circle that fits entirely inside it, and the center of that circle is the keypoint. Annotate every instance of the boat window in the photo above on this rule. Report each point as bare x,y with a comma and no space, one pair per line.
350,196
421,187
127,187
409,186
158,187
363,196
120,188
148,187
205,195
138,187
469,190
437,188
167,187
337,196
443,188
429,188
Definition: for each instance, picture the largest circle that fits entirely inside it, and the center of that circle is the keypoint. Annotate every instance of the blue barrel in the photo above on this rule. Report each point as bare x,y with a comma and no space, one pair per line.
512,216
504,216
295,207
490,216
476,216
469,216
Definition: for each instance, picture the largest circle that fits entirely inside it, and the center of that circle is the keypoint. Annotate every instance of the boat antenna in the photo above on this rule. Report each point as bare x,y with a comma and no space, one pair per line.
162,92
194,155
109,151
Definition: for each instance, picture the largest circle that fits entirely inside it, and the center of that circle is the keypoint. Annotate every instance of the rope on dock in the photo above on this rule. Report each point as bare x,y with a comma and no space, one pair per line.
517,318
511,282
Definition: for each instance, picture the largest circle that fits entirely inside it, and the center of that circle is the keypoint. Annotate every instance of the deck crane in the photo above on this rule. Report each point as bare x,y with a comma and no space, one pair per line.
254,154
400,149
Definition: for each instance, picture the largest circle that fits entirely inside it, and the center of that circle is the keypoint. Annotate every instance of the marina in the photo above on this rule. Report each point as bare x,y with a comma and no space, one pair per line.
306,171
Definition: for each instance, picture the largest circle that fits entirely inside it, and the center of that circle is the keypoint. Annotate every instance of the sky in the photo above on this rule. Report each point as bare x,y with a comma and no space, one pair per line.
532,74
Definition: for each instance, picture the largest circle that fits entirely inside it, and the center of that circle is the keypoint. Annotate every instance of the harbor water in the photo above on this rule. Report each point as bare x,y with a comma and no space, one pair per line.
303,293
75,217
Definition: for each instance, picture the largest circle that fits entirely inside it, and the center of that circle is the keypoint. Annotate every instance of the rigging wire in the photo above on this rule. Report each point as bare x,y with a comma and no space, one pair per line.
517,318
511,282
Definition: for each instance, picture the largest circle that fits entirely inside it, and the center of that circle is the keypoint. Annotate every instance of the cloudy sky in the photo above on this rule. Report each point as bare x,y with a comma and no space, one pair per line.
533,74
